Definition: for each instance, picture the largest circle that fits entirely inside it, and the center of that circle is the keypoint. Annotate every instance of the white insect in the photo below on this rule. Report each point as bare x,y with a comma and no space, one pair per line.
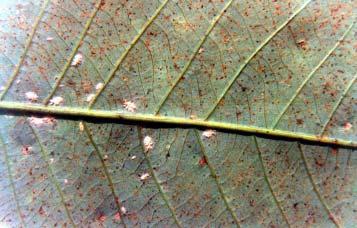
148,143
133,157
105,157
77,60
18,81
123,210
31,96
65,181
52,160
49,38
42,121
99,86
209,133
81,126
90,97
129,106
144,176
56,101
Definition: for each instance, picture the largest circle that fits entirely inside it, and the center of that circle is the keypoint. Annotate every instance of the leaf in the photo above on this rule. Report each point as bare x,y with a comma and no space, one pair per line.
178,113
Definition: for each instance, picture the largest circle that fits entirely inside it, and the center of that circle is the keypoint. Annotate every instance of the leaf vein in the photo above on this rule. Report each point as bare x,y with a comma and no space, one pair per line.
269,184
302,85
27,47
52,175
73,53
249,59
126,52
12,184
194,54
348,88
215,177
21,108
157,183
314,186
106,172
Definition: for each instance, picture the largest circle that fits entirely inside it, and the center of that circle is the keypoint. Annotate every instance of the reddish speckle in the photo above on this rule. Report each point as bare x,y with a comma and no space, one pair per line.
319,163
333,219
299,121
347,126
41,211
26,150
302,44
334,151
102,218
202,162
117,216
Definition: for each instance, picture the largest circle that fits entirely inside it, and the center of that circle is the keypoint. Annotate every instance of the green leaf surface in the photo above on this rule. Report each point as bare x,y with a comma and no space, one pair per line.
106,109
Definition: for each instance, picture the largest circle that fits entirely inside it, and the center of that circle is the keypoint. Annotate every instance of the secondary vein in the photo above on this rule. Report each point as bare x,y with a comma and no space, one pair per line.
125,53
302,85
249,59
27,47
157,183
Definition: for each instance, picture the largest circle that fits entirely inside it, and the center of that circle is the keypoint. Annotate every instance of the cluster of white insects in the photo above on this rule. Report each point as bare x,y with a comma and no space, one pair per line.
31,96
209,133
90,97
56,101
148,143
129,106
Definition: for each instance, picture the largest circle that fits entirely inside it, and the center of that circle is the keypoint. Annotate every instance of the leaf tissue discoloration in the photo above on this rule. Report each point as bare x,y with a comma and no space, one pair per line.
171,113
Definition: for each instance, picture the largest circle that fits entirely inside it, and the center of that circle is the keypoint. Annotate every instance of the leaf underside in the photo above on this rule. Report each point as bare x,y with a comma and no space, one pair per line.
275,66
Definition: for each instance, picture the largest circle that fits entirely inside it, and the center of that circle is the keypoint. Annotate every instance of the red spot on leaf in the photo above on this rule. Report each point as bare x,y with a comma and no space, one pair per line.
102,218
202,162
26,150
41,211
117,216
334,151
347,126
